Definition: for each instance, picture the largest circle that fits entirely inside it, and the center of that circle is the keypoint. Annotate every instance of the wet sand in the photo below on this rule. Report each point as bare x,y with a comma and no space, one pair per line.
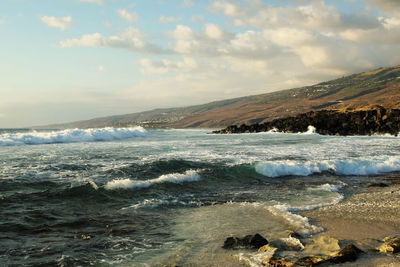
364,219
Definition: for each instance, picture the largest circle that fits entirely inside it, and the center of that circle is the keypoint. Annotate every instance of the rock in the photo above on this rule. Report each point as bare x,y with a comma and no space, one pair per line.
378,185
330,122
278,262
231,243
322,245
348,253
257,241
391,245
308,261
250,241
267,248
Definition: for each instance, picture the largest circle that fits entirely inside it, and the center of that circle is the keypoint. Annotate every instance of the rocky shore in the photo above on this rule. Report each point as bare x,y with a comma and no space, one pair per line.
378,120
361,231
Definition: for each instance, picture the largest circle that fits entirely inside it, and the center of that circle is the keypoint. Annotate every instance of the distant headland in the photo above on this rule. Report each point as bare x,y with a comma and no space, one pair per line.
378,120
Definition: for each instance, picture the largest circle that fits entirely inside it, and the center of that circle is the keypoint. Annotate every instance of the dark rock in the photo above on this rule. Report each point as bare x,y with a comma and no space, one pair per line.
348,253
378,185
258,241
231,243
330,122
308,261
249,241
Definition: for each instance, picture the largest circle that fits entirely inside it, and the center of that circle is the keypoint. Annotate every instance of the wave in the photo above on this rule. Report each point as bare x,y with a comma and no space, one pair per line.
370,166
188,176
155,203
301,224
71,136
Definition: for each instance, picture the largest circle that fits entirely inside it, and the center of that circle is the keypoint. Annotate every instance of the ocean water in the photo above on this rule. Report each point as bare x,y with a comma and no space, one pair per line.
136,197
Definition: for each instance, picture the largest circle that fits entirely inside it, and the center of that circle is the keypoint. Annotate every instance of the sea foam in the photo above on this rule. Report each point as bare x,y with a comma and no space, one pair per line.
71,136
188,176
371,166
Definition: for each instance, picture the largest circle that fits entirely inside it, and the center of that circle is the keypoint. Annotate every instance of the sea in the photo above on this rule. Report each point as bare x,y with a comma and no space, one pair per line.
145,197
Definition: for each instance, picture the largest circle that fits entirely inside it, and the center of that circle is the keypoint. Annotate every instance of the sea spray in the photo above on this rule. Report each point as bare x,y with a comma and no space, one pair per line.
371,166
188,176
71,136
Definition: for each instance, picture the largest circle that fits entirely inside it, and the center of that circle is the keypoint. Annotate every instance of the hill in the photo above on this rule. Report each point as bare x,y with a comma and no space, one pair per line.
358,91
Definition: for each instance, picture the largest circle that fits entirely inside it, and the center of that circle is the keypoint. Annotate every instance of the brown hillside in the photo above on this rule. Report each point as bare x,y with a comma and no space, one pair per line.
358,91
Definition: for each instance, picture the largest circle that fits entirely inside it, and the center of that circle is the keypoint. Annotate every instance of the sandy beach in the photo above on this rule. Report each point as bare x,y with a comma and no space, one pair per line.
364,219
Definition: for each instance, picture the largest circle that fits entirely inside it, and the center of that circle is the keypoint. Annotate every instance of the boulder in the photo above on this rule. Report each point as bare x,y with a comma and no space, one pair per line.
308,261
348,253
278,262
249,242
391,244
377,185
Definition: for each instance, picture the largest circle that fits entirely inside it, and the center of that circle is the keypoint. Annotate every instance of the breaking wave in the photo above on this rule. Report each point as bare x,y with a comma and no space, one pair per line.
302,224
188,176
71,136
370,166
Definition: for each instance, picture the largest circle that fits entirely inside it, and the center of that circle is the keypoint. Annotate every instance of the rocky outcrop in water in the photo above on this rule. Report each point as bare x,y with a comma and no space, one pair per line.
347,254
249,241
330,122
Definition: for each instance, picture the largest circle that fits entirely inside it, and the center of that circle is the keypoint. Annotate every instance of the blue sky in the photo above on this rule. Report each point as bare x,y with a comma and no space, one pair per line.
70,60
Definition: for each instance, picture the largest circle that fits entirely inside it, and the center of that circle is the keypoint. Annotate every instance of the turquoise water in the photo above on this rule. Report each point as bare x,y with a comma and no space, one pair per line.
131,197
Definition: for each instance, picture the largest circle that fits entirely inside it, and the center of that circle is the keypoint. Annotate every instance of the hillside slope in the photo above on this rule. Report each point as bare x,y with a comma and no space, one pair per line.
377,87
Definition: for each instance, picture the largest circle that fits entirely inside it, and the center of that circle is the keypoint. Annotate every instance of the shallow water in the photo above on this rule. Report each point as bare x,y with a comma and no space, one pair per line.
132,197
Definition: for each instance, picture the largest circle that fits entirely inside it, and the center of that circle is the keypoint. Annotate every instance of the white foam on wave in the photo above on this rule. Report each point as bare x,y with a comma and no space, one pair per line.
371,166
177,178
154,202
311,130
328,187
71,136
300,223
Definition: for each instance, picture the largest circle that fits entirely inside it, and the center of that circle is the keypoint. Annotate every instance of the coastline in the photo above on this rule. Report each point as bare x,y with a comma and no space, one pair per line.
378,120
364,219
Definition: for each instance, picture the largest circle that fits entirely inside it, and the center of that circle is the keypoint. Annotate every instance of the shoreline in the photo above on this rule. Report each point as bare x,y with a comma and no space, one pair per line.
377,120
364,219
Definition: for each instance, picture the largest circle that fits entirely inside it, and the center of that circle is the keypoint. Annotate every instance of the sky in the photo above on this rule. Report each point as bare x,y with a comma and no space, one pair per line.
69,60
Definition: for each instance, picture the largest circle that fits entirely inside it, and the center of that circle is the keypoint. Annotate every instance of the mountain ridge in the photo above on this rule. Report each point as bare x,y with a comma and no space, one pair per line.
357,91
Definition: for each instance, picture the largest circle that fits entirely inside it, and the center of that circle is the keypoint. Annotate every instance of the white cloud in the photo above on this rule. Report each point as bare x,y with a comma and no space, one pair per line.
128,16
131,39
166,66
61,23
228,8
273,47
212,31
99,2
187,3
164,19
101,68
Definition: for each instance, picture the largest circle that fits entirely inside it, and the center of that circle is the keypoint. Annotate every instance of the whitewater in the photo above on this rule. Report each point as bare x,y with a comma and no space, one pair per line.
140,197
70,136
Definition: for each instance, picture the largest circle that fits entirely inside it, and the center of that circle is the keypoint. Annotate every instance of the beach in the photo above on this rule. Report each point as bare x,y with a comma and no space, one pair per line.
365,219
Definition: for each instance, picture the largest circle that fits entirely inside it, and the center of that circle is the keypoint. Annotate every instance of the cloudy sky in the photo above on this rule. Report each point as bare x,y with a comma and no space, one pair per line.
69,60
